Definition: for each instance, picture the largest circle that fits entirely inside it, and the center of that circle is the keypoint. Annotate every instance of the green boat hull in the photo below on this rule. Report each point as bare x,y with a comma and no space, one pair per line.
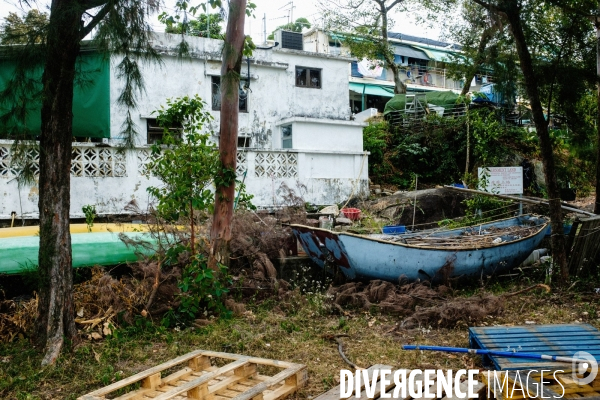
20,254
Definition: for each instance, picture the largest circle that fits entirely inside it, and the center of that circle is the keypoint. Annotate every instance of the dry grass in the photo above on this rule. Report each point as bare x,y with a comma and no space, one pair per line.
294,329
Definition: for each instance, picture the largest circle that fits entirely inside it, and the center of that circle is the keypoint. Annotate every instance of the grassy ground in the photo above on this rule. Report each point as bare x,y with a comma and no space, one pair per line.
292,330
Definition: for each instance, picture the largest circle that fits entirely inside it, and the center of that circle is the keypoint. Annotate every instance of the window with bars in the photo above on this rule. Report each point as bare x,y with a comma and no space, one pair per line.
155,133
308,77
216,94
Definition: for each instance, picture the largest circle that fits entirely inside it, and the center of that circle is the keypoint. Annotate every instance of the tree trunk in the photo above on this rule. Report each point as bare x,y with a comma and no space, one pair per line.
399,86
55,321
558,242
230,80
597,204
479,58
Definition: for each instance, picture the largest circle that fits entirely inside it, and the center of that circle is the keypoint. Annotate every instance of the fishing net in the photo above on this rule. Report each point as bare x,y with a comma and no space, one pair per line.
419,304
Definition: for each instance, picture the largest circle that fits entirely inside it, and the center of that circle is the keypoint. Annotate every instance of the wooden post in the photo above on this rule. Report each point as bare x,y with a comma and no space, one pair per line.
152,382
200,392
199,363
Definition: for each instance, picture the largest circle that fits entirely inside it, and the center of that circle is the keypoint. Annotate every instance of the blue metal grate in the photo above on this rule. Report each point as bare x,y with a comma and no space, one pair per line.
555,340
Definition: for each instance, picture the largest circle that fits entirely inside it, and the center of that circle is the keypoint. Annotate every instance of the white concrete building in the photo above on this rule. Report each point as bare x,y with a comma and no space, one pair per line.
294,128
423,63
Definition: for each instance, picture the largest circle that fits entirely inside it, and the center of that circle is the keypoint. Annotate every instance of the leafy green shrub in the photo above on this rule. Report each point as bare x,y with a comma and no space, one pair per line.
203,292
89,211
185,161
376,139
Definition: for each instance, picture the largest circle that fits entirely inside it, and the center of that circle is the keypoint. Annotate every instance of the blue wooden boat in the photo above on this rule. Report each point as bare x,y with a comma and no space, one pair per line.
428,255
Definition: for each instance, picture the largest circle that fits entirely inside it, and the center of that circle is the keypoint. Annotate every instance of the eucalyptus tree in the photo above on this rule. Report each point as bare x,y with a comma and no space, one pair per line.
480,34
204,25
236,45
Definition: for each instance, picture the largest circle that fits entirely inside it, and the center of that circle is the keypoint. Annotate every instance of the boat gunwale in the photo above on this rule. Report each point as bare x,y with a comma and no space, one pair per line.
543,227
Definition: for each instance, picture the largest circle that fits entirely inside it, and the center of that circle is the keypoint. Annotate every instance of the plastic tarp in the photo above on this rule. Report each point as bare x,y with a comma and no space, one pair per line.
372,90
91,98
446,99
489,91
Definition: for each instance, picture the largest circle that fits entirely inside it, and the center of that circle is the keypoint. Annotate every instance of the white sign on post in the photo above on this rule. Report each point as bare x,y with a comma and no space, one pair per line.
501,180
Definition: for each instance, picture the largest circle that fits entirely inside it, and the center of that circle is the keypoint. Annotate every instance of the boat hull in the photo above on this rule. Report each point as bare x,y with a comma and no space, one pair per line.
360,257
19,247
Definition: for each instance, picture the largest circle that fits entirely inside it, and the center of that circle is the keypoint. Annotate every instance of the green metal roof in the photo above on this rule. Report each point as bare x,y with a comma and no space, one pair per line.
373,90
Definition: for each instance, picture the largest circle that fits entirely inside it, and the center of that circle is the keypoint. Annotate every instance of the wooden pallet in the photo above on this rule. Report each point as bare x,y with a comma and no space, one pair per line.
551,389
208,375
334,393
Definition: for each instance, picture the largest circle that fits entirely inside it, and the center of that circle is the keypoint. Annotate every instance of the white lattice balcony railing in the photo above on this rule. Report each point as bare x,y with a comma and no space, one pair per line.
103,162
268,164
276,165
86,161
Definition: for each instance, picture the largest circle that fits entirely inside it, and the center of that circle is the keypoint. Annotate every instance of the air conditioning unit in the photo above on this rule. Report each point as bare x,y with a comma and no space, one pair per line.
289,40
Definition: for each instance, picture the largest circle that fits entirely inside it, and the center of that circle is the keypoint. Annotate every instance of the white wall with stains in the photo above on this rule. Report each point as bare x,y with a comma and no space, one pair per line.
327,163
117,183
273,94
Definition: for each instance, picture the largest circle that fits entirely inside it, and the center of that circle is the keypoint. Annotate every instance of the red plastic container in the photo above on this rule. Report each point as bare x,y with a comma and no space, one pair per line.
351,213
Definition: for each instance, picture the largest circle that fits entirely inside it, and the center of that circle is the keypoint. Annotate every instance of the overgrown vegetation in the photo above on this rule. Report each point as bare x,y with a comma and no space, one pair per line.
294,328
435,149
481,209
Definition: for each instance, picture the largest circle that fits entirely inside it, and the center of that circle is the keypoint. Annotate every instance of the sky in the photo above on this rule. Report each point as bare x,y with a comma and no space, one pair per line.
277,12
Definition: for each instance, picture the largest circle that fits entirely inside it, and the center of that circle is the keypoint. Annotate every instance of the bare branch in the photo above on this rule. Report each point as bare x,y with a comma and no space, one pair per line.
96,20
394,4
491,7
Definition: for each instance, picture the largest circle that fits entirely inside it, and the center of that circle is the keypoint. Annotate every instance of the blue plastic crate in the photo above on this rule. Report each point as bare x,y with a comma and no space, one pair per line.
394,229
556,340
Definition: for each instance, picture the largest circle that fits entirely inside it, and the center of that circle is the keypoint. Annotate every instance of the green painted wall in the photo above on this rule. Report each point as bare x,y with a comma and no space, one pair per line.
91,98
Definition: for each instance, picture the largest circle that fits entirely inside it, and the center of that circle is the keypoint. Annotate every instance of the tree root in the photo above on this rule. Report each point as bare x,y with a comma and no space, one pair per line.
53,347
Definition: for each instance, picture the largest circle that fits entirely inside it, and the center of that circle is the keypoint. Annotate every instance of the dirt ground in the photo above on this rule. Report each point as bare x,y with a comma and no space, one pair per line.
292,329
297,326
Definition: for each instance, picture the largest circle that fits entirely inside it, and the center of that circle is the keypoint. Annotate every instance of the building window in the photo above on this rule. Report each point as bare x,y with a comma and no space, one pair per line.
335,48
216,94
286,137
243,142
308,77
155,133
